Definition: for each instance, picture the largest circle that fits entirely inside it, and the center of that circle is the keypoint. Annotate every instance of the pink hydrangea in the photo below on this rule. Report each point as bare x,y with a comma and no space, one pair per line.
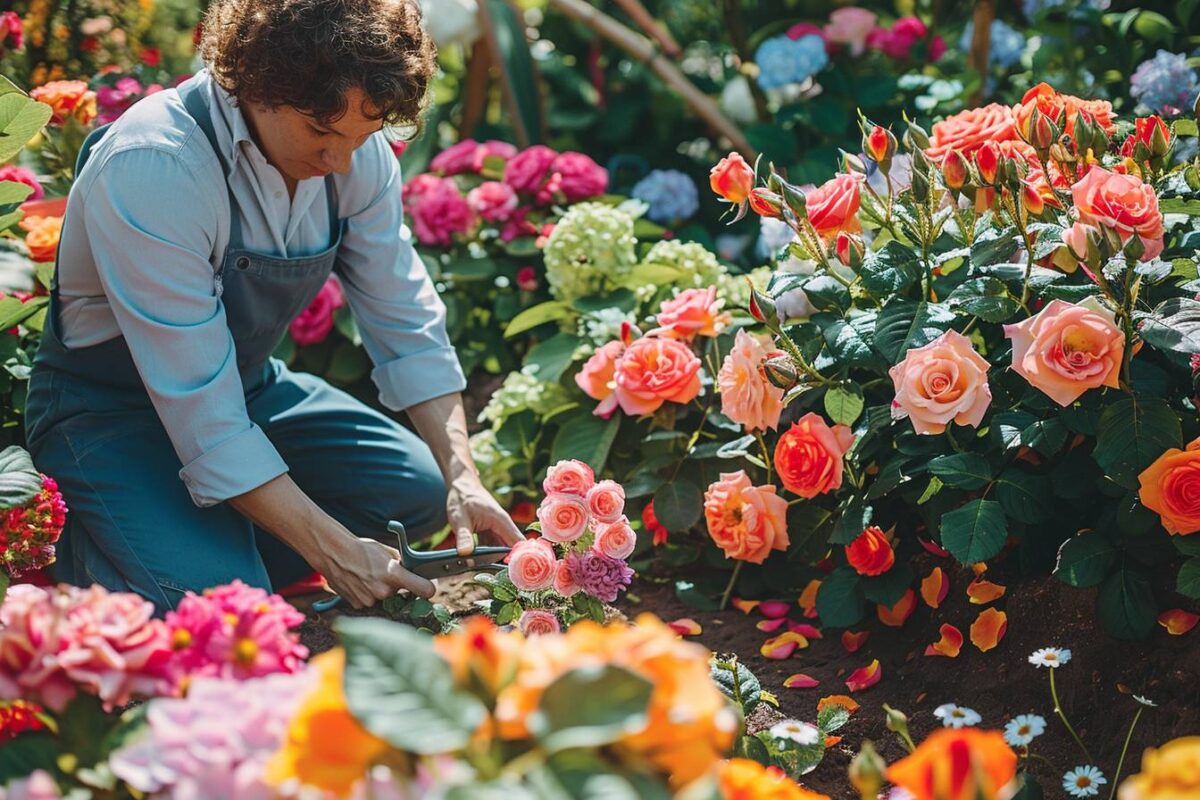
526,171
314,323
29,531
440,213
493,201
573,177
11,172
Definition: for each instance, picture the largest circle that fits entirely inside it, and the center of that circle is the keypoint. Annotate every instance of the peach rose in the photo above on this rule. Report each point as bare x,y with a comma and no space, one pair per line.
564,580
692,313
41,237
732,178
1062,108
654,370
597,380
67,99
809,456
944,380
833,206
871,553
532,565
606,501
1170,487
747,397
1067,349
1123,203
569,477
564,517
968,130
616,540
537,622
745,521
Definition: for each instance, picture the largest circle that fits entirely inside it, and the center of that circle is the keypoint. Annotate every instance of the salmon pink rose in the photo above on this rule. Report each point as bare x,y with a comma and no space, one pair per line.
564,517
616,540
747,397
493,200
732,178
538,622
809,456
41,237
565,582
1170,487
606,501
967,130
532,565
571,476
943,381
1062,108
692,313
597,378
654,370
1067,349
833,206
1123,203
744,520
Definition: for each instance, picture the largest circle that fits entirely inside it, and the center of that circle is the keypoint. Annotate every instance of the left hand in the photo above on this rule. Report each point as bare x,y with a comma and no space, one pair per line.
470,508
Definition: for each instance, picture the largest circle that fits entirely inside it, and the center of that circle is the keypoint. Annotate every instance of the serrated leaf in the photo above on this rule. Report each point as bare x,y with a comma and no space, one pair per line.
962,470
1023,496
854,518
844,403
904,325
1085,560
975,532
888,588
1133,433
986,298
890,270
1188,582
21,117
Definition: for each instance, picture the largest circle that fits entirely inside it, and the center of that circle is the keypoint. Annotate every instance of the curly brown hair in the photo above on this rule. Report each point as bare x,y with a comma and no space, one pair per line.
308,53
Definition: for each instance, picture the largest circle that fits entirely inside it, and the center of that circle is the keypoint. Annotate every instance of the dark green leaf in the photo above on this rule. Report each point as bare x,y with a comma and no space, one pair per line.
1132,434
846,340
1188,582
890,270
993,246
1125,604
552,356
1085,560
904,325
26,753
975,532
590,706
1023,496
840,601
832,717
854,518
587,438
986,298
962,470
1174,326
888,588
19,479
678,505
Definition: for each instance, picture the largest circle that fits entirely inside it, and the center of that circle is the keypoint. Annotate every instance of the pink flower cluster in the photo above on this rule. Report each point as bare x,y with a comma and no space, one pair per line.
235,631
11,172
313,324
468,156
113,101
856,29
29,531
897,42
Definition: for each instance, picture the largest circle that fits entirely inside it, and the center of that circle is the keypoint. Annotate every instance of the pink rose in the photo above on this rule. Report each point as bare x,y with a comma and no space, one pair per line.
691,313
747,397
11,172
579,177
597,377
315,322
492,148
570,477
833,206
115,100
944,380
456,159
802,29
492,200
850,26
564,517
1067,349
616,540
537,622
653,371
606,501
518,225
745,521
531,565
1123,203
565,582
418,187
440,213
525,171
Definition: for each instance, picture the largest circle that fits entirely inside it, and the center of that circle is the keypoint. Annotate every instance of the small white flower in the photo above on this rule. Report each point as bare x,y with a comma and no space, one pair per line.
1050,657
801,733
1148,703
1023,729
954,716
1084,781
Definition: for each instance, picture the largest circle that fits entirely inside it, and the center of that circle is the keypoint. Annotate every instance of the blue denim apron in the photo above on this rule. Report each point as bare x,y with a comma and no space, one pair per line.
132,525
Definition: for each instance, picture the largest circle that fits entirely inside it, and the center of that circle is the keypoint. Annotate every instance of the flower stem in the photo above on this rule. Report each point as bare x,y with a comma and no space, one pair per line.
1058,709
729,588
1121,762
766,453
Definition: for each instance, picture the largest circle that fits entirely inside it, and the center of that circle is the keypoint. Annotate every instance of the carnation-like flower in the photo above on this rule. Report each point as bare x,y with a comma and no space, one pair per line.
591,247
1084,781
1050,657
598,575
801,733
1023,729
30,531
573,177
671,195
956,716
1165,84
782,60
67,99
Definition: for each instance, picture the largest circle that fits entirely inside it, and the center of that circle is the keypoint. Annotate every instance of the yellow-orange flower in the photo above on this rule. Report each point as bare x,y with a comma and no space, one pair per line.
326,747
41,237
1170,772
957,764
1170,487
744,779
480,655
67,99
1061,109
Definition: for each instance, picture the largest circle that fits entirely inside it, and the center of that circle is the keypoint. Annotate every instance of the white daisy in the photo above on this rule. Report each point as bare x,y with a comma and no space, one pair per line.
1050,657
801,733
1083,781
1022,730
954,716
1147,702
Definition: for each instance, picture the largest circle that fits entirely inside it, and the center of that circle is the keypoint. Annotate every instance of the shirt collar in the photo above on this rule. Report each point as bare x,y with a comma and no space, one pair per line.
228,121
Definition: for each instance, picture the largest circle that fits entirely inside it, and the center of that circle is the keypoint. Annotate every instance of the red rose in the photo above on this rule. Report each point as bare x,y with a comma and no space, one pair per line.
871,553
809,456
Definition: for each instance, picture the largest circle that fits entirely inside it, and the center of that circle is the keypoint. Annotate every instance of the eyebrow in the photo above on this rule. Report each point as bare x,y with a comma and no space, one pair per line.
316,124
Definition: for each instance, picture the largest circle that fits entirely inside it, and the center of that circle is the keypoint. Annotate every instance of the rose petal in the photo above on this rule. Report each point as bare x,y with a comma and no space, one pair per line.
830,741
852,641
982,592
934,548
949,645
800,681
686,627
773,609
808,598
845,701
1177,621
864,677
988,629
744,606
782,646
979,568
934,587
770,625
804,629
898,614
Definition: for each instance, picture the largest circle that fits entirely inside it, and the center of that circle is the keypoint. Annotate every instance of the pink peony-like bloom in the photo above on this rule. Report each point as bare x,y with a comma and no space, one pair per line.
537,621
597,378
492,148
570,476
439,213
30,531
747,397
1067,349
615,540
575,177
606,501
493,200
564,517
11,172
598,575
850,26
113,101
692,313
897,41
747,522
944,381
526,171
456,159
518,225
12,32
802,29
37,785
564,581
417,188
313,324
1121,202
532,565
652,371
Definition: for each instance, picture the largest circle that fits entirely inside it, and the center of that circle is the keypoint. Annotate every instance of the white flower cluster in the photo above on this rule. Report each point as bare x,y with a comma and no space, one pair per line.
591,247
522,391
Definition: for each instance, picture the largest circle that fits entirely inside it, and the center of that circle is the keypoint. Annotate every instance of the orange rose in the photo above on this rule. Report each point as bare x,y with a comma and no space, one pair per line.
692,313
41,238
67,99
744,779
968,130
957,764
654,370
809,456
596,377
745,521
832,207
747,397
1170,487
732,178
1123,203
1062,108
480,655
871,553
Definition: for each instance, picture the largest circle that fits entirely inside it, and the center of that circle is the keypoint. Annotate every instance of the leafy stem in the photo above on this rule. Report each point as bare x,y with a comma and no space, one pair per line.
762,443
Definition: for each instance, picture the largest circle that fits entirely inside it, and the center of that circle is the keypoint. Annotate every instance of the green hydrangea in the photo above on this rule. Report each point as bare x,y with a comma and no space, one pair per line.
736,292
699,266
590,248
493,465
522,391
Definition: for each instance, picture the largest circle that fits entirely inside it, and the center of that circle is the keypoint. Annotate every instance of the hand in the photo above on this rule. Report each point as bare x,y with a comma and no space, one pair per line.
364,571
471,508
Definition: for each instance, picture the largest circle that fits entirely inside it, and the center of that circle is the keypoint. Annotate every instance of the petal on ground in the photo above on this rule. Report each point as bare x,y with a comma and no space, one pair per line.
1177,621
686,627
983,592
864,677
852,641
898,614
782,646
934,587
800,681
988,629
949,645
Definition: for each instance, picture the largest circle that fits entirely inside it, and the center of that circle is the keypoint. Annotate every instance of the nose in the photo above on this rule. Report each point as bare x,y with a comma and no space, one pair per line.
336,160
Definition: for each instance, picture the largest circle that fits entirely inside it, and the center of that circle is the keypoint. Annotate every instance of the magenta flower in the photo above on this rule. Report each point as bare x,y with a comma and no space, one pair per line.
439,213
29,531
600,576
575,177
313,324
11,172
526,171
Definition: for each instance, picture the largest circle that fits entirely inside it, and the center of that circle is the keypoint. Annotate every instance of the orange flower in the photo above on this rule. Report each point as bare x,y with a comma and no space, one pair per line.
1124,203
1170,772
988,629
745,779
968,130
871,553
865,677
934,588
957,764
809,456
652,371
41,238
1177,621
732,178
1062,108
745,521
67,99
983,592
480,655
949,645
833,206
1170,487
898,614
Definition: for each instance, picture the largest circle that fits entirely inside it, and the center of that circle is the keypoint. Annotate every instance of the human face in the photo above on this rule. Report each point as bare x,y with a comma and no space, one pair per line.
300,146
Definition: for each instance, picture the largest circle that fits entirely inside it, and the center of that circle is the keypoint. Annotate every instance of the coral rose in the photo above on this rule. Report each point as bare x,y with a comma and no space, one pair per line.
597,377
1123,203
745,521
692,313
871,553
538,622
615,540
1062,108
1170,772
606,501
67,99
493,201
809,456
570,476
833,206
565,582
532,565
740,778
956,764
564,517
1067,349
654,370
41,237
747,397
1170,487
944,380
732,178
967,130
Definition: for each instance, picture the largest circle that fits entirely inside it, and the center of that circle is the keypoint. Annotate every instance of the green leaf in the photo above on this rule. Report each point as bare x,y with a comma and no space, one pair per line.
534,316
1020,428
832,717
888,588
1188,582
986,298
14,312
591,706
471,269
993,246
552,356
587,438
1023,496
19,479
12,194
904,325
678,505
26,753
623,299
1184,127
855,517
840,601
1132,434
890,270
1125,605
1174,326
962,470
1179,205
694,597
348,365
402,691
848,340
737,682
648,273
844,403
975,532
21,117
1085,560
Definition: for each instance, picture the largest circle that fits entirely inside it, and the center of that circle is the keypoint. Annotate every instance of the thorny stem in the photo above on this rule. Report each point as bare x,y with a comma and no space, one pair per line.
729,587
1121,762
766,454
790,347
1058,709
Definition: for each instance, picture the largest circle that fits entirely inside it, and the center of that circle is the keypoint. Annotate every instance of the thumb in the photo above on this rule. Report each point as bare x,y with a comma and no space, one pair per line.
460,526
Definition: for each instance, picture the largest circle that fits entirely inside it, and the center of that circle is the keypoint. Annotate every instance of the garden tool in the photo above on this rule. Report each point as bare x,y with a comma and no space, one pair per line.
433,564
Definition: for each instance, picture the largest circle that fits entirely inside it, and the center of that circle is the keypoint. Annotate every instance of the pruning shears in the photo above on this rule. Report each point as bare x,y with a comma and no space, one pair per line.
433,564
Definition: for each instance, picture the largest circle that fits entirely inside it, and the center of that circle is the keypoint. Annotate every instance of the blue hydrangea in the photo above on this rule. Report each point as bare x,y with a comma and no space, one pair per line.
1005,43
782,60
1034,7
1165,83
671,195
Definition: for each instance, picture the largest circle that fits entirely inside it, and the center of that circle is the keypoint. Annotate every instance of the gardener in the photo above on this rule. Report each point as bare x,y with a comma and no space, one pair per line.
199,225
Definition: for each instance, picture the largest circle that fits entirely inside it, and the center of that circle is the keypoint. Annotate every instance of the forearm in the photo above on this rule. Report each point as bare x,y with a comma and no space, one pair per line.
442,423
282,509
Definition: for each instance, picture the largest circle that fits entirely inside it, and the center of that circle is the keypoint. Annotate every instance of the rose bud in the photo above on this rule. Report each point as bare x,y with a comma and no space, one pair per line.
867,770
762,308
795,199
1084,242
732,178
920,186
1034,202
849,250
915,137
853,164
1160,137
1042,131
987,161
629,333
780,369
955,170
879,144
766,203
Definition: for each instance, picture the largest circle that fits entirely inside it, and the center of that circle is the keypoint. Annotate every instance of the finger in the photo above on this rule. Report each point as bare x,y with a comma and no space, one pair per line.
401,578
464,539
501,527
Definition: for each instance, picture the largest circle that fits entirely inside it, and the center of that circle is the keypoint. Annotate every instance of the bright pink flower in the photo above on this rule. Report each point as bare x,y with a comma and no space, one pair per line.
492,148
113,101
527,279
518,225
398,147
564,517
30,531
606,501
456,159
615,540
575,177
441,212
537,622
11,172
570,476
493,200
692,313
315,322
12,34
849,26
526,171
532,565
419,187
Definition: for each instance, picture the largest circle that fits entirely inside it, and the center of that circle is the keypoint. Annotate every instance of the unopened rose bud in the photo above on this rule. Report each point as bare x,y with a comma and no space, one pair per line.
762,308
1034,202
867,770
854,165
766,203
629,333
1160,138
1042,131
795,200
780,369
849,250
879,144
732,178
955,170
920,186
1083,241
987,161
1135,248
915,137
1112,238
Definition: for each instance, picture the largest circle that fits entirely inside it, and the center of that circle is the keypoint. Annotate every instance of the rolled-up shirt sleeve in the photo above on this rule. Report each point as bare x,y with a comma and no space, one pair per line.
152,256
400,317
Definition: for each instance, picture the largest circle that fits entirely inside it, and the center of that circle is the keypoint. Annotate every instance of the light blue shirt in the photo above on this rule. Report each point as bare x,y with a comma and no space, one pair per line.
146,228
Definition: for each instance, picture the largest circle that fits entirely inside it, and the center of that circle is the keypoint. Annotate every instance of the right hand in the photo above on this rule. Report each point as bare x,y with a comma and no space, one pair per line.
365,571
